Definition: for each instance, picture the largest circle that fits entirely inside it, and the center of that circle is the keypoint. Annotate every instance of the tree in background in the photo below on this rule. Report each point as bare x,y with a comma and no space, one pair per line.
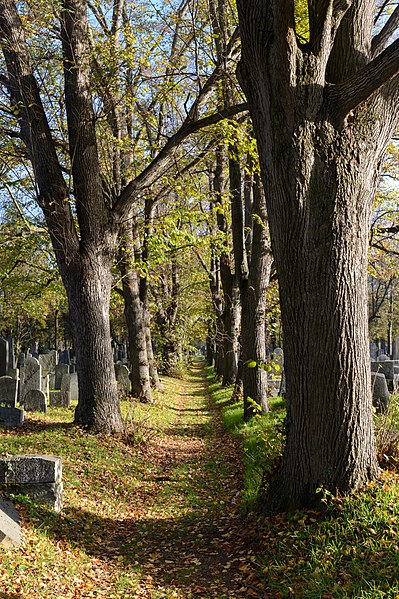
324,109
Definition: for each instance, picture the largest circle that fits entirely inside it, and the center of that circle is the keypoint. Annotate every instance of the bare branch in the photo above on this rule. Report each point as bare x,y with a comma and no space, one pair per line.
382,38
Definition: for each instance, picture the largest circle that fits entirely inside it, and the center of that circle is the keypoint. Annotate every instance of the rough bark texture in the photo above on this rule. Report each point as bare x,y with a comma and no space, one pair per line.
321,141
253,328
136,324
88,288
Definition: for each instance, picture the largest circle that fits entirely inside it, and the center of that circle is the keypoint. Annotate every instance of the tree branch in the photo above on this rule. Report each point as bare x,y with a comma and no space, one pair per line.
348,95
164,159
382,38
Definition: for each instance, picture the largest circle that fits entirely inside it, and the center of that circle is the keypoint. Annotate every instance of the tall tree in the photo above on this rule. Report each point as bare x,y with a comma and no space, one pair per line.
324,110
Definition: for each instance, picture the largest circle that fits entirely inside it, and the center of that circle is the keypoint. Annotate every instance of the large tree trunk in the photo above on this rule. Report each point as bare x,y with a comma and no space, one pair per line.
88,287
321,147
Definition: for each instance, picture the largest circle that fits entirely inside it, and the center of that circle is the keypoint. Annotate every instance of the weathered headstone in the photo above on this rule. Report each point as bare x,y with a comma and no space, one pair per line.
69,382
60,370
12,363
64,357
8,391
39,476
10,527
395,349
21,360
45,385
60,399
382,358
48,362
4,360
35,401
380,391
31,377
373,350
124,384
11,417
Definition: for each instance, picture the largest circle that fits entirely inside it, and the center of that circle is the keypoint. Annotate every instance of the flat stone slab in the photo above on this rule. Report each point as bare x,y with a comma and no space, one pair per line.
28,469
10,528
49,493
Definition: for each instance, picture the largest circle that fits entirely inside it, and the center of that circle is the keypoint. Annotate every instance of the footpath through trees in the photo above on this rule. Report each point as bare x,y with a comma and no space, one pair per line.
162,522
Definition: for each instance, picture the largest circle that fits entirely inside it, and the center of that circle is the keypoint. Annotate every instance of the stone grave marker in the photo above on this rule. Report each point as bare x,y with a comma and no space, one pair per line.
124,384
35,401
31,377
60,399
48,362
38,476
60,370
11,417
380,391
8,391
10,525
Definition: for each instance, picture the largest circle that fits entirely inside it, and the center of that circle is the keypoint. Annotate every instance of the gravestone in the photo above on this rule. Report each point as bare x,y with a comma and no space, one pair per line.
124,384
373,351
12,363
21,360
48,362
10,525
35,401
11,417
4,363
64,357
380,391
395,349
60,399
31,377
69,382
60,370
45,385
8,391
39,476
383,358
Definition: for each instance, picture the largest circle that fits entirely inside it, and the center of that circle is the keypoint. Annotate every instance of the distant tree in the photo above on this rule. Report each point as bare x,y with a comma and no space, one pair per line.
324,107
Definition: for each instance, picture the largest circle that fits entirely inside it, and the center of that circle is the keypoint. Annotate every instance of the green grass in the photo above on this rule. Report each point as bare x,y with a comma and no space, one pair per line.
154,513
261,437
349,551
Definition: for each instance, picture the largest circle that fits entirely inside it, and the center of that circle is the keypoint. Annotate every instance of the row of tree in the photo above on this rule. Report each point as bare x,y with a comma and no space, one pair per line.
107,108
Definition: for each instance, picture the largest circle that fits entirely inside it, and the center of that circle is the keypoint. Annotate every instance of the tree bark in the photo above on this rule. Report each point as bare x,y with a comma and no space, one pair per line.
88,286
136,325
321,145
253,334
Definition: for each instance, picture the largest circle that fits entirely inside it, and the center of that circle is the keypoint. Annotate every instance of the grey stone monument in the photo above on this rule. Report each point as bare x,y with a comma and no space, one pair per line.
31,377
35,401
39,476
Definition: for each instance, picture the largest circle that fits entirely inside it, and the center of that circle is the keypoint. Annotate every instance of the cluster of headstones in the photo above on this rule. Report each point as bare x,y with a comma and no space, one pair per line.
33,383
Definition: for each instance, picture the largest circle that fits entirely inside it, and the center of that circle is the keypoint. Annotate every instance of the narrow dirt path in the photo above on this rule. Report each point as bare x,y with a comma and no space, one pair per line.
190,535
